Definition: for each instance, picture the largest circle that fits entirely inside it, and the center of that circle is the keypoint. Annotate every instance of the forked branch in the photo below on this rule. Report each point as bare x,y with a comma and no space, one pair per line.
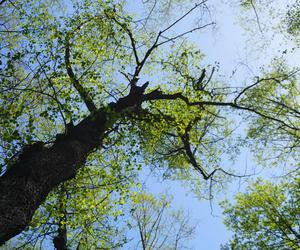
157,43
192,159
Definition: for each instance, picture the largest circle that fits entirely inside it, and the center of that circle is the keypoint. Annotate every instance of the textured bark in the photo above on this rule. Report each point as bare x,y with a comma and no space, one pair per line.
39,169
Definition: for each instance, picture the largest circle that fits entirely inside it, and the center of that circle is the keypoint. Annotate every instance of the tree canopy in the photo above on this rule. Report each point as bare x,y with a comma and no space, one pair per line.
90,95
265,217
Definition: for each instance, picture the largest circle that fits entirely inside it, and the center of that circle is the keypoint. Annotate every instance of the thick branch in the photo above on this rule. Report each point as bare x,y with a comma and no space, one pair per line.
158,95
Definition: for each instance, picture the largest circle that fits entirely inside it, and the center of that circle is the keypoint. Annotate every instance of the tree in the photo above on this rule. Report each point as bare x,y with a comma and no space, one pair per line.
266,216
157,227
284,16
74,84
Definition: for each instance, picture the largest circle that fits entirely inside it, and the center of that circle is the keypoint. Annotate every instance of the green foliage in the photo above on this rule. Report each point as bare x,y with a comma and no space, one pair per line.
272,17
248,4
293,18
37,96
13,244
265,217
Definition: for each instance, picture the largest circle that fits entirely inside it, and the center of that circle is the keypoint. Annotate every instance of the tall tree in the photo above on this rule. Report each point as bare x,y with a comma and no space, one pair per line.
158,226
265,217
74,84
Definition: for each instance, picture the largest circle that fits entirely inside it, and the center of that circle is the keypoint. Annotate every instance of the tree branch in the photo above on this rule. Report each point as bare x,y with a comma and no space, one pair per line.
158,95
75,82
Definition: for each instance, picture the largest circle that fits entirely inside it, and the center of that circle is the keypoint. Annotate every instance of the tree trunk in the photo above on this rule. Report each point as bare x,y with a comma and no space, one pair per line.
39,168
60,240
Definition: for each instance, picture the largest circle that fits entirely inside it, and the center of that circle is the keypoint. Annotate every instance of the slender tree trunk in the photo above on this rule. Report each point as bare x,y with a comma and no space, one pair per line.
39,168
60,240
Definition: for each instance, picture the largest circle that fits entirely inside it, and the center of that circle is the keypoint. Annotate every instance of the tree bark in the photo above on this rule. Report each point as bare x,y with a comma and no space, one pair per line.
40,169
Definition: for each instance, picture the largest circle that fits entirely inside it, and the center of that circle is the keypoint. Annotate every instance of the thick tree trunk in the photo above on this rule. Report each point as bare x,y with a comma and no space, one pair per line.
39,169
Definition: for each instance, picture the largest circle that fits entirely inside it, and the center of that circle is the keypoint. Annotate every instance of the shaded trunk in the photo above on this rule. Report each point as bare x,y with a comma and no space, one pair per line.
60,240
39,169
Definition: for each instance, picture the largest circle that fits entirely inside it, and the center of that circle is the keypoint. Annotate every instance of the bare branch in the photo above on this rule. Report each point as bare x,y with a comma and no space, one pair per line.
156,43
256,15
185,33
210,77
132,40
182,17
253,85
60,106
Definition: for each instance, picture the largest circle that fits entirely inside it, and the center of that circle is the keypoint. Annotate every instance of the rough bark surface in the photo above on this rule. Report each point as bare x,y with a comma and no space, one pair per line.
39,169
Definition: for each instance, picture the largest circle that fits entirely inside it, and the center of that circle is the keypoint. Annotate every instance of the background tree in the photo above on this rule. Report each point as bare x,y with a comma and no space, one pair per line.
266,216
284,25
158,226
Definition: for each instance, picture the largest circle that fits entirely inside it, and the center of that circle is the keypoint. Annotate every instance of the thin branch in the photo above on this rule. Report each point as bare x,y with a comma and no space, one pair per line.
256,15
150,13
60,106
210,77
80,89
185,33
285,106
182,17
253,85
140,64
132,40
141,234
2,2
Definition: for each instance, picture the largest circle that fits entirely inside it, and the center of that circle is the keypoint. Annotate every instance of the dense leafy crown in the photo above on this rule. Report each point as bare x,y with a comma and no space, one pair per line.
265,217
